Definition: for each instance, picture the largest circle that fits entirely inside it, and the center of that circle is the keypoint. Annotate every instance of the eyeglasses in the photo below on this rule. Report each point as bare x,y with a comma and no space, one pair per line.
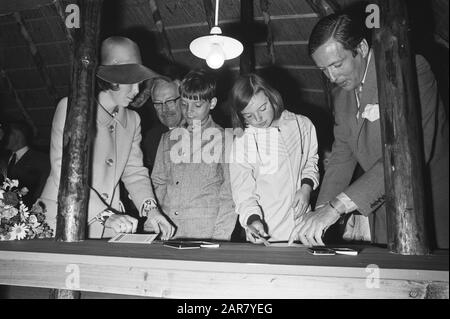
168,103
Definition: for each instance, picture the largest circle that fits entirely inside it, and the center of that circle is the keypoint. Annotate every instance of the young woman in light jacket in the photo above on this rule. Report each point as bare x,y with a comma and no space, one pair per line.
116,148
273,164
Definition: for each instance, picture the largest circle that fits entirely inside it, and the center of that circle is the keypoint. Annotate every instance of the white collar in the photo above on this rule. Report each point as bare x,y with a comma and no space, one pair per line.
360,88
20,153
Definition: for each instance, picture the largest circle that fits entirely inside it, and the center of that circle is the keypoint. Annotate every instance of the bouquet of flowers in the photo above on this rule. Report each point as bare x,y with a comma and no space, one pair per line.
17,221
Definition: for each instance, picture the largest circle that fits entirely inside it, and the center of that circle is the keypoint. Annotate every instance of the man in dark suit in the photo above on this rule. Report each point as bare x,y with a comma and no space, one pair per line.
340,48
28,166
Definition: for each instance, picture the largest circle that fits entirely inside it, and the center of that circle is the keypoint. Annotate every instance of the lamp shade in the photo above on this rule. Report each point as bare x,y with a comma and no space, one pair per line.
203,47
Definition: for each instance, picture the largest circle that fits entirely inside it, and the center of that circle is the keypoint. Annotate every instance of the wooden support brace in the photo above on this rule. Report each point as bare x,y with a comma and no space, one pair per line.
164,41
209,13
324,7
62,15
20,105
264,4
247,58
39,62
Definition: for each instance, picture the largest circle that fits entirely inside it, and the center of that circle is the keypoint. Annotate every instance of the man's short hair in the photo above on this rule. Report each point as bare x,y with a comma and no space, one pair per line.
345,29
159,81
198,85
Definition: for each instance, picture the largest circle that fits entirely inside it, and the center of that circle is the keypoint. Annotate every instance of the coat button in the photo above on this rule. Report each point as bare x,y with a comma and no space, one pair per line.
105,196
111,128
109,161
177,182
176,213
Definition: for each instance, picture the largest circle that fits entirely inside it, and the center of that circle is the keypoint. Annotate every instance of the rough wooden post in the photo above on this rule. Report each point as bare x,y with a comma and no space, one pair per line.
400,132
75,167
73,187
247,60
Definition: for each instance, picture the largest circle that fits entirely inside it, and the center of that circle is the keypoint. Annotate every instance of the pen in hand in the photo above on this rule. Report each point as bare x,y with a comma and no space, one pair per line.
257,235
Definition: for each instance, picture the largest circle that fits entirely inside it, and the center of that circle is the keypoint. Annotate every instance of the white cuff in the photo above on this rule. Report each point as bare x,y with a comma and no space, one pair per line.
348,203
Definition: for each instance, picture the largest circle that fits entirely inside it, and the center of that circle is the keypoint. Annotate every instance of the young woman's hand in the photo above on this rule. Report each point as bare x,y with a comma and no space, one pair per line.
122,223
255,230
301,201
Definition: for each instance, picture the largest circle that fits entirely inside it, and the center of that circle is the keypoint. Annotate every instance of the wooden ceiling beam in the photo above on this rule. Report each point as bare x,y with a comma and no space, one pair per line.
258,44
11,6
19,103
229,21
37,58
164,45
281,66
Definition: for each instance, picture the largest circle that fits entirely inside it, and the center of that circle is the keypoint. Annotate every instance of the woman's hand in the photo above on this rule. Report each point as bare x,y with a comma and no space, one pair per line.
301,201
254,231
122,223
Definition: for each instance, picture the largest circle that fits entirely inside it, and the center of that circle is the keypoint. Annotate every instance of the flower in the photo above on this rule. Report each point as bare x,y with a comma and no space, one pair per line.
19,231
8,212
23,191
33,221
10,198
17,221
371,112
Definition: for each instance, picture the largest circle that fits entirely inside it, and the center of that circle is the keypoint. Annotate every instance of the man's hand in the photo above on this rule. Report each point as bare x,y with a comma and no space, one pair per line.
122,223
254,231
158,223
311,227
301,201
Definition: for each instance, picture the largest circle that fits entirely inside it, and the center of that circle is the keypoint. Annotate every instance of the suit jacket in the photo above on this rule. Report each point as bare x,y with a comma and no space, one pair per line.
151,142
358,140
31,170
116,155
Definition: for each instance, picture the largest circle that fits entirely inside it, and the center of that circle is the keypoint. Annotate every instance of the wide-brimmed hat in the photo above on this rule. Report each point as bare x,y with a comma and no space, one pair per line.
121,62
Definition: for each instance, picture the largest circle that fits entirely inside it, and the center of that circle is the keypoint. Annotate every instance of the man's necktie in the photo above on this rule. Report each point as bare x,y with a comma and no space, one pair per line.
11,164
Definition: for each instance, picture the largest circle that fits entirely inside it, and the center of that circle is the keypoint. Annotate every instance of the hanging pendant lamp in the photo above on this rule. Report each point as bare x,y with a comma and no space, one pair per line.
216,48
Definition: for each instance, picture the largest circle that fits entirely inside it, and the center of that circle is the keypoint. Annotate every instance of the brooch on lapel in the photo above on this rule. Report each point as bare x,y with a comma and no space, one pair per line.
371,112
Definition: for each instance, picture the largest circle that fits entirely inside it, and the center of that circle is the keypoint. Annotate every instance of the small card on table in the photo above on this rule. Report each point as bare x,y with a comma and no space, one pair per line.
133,238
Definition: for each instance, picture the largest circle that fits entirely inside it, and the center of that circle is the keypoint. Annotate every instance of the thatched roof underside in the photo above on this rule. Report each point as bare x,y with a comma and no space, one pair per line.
30,90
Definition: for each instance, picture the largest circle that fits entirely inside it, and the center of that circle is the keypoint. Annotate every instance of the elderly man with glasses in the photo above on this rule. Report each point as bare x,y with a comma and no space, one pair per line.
165,98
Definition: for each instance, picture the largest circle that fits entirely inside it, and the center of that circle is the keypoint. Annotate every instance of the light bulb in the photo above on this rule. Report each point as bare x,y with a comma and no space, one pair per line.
216,56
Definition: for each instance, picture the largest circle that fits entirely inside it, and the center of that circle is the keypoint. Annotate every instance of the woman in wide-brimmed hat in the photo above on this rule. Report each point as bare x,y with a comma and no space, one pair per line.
116,148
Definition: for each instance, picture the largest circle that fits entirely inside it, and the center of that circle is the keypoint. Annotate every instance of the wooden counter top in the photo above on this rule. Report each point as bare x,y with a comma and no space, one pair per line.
235,270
